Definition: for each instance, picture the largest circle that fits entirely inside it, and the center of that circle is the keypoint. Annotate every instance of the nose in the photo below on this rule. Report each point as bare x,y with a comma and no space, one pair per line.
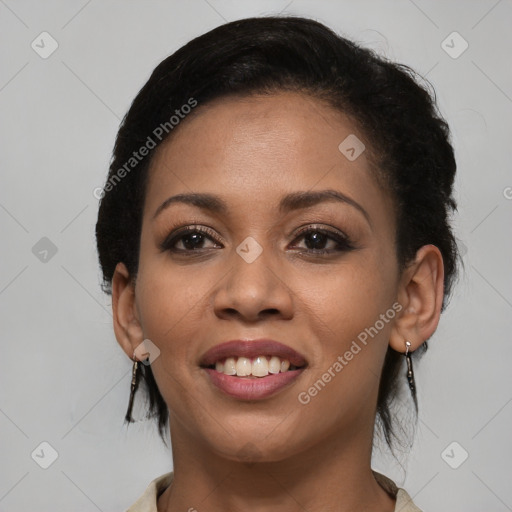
252,291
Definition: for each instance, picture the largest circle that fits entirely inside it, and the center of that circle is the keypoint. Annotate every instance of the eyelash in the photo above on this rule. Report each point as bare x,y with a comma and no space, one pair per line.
343,242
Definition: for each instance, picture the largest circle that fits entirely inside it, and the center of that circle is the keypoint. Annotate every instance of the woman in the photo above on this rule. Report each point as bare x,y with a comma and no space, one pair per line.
275,235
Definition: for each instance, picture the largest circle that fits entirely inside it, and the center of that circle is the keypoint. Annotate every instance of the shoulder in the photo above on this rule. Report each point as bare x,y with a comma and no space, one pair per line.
148,501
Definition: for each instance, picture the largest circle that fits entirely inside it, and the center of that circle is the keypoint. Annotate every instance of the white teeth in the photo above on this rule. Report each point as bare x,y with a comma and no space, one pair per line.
243,367
229,366
274,365
259,366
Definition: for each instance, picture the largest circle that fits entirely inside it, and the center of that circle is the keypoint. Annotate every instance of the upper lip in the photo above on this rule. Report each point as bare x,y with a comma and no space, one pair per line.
250,349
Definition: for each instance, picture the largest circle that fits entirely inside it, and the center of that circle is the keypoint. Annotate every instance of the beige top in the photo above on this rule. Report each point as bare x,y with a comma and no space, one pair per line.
148,501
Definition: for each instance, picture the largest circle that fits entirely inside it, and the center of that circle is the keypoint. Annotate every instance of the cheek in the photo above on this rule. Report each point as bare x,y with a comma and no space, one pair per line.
171,307
350,312
171,304
352,340
334,303
345,300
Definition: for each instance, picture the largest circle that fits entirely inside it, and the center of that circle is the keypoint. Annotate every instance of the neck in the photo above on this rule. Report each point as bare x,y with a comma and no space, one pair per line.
335,475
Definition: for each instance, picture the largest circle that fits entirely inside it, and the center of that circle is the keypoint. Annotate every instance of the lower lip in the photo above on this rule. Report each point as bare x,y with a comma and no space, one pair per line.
249,388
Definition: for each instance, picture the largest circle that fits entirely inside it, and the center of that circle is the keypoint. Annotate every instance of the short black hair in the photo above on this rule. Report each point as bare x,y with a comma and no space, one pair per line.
395,109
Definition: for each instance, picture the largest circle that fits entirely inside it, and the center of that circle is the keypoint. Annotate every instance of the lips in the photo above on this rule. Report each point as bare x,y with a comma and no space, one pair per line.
250,387
251,349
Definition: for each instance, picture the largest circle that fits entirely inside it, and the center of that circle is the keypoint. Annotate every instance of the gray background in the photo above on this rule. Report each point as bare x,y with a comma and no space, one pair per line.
65,380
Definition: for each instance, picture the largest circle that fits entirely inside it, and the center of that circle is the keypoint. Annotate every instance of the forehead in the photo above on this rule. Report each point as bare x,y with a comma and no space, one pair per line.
258,147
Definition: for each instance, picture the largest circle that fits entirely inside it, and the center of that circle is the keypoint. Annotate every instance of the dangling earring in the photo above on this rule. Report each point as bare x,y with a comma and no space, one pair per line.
410,372
135,382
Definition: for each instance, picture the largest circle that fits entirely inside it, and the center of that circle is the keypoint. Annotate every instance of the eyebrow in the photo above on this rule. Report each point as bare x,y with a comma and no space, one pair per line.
290,202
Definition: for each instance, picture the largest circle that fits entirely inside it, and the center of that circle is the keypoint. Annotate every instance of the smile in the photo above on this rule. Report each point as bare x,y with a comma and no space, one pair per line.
260,366
252,369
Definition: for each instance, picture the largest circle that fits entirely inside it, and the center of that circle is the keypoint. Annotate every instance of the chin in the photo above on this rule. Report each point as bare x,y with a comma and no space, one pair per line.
254,446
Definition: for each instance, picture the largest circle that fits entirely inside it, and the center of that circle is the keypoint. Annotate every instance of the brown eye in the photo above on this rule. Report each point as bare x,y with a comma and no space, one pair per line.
323,241
190,238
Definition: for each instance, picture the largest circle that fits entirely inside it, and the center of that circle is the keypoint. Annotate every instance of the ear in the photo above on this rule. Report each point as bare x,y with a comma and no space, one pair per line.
421,296
127,327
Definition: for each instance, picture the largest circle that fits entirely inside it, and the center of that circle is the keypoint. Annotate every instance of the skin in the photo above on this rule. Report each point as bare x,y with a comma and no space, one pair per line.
233,455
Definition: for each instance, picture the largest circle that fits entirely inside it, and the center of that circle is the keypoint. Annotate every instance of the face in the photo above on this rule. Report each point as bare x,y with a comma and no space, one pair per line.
318,275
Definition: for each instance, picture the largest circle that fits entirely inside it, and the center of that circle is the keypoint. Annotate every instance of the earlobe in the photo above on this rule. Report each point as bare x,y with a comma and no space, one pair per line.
127,326
421,296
